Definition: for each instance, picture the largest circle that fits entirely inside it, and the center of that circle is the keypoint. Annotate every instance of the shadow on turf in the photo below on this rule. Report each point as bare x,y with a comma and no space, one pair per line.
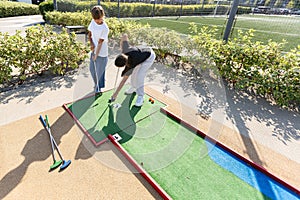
120,120
123,123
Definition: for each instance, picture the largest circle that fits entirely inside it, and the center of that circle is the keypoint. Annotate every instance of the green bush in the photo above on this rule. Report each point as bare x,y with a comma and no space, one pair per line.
83,18
46,6
142,9
69,18
254,67
257,68
10,9
40,50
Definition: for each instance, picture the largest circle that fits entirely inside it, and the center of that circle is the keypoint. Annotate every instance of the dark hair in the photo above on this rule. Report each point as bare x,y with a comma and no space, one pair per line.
97,12
121,60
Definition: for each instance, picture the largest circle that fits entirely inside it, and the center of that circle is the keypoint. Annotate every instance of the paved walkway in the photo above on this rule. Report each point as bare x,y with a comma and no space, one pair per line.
11,24
264,125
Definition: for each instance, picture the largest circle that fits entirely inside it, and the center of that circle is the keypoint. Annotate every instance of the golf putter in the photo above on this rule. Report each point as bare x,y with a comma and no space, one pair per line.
55,162
65,163
112,99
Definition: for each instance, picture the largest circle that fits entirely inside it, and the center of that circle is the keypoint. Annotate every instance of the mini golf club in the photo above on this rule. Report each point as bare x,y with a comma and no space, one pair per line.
55,162
112,99
65,163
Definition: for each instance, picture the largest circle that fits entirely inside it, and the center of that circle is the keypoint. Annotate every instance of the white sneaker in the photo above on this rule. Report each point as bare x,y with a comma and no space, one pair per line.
139,101
130,91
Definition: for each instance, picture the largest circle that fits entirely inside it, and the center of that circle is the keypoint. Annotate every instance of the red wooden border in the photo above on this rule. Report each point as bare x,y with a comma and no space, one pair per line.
141,171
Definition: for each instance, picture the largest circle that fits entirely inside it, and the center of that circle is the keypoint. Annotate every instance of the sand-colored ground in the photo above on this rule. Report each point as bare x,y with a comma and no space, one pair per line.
26,158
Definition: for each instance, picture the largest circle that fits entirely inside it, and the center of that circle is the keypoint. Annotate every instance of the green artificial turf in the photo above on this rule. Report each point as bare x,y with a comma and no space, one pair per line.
169,152
172,155
101,119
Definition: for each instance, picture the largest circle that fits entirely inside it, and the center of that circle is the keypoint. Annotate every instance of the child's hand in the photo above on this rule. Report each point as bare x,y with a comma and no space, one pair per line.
94,57
92,47
124,37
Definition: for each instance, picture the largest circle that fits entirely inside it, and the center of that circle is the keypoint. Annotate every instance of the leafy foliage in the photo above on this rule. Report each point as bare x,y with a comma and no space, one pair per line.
258,68
143,9
84,18
10,9
46,6
40,50
252,66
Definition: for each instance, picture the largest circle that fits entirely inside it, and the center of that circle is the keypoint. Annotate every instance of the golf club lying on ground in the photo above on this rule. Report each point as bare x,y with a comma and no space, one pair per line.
55,163
64,163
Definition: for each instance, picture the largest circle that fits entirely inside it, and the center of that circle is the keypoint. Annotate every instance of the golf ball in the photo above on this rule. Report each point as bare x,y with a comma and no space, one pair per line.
117,105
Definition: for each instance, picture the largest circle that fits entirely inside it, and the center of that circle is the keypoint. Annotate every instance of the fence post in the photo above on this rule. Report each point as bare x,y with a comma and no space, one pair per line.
232,14
181,2
55,4
118,9
153,11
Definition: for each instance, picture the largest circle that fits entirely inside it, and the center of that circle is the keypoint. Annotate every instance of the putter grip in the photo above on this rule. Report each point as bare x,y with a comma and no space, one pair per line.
43,121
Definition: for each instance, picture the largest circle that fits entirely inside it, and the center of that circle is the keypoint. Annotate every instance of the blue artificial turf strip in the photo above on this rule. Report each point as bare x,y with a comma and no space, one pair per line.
250,175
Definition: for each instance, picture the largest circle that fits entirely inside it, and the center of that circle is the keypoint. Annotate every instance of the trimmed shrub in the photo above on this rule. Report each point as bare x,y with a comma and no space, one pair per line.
10,9
46,6
40,50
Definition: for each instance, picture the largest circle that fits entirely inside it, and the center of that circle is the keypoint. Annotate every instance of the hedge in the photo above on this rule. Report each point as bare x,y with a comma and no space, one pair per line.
11,9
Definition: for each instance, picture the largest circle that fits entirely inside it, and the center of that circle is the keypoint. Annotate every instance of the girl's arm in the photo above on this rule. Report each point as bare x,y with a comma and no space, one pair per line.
91,41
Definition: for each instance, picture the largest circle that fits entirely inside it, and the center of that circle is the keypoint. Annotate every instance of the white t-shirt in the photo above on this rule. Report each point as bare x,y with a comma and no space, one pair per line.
100,32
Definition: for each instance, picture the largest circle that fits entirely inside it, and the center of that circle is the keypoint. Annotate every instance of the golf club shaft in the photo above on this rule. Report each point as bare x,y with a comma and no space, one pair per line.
52,147
102,114
97,80
51,137
116,79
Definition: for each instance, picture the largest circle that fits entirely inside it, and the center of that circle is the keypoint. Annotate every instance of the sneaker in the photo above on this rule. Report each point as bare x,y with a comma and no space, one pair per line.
139,101
98,92
130,91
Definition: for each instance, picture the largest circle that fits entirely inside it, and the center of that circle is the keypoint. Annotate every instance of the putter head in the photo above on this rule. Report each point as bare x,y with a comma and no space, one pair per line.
55,165
111,100
64,165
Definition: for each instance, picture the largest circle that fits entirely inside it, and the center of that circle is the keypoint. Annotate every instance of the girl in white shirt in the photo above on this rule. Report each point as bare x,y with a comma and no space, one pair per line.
98,37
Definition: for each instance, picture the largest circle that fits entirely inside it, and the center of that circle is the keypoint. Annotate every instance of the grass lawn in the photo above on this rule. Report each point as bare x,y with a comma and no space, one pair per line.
276,28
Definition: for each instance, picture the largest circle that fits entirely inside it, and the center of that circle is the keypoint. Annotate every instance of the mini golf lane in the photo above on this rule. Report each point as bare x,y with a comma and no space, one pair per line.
188,167
174,159
98,119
